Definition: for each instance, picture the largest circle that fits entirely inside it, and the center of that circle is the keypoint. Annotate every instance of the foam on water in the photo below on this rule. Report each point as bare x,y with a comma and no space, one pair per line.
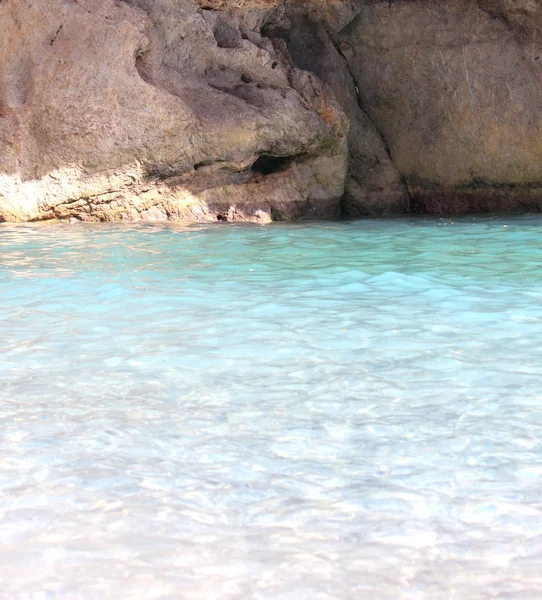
312,411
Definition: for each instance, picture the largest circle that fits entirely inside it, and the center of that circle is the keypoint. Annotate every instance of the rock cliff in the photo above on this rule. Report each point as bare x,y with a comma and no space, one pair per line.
267,109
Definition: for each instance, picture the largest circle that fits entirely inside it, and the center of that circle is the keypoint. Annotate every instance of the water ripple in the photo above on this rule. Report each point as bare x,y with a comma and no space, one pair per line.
299,411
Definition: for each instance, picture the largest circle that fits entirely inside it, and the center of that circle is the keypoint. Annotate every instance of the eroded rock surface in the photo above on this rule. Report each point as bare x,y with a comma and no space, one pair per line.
373,185
268,109
160,109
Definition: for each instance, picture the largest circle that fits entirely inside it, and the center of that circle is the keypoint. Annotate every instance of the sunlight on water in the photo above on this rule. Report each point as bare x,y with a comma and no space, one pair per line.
314,411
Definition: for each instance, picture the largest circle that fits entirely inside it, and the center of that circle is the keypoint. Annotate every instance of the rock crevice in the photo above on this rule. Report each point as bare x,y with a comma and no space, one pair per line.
454,89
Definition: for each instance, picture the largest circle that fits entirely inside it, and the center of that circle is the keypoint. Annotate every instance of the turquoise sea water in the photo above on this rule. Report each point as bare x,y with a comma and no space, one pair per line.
302,411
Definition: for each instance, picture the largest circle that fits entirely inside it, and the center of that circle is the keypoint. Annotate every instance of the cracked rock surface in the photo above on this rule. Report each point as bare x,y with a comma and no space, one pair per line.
267,109
454,89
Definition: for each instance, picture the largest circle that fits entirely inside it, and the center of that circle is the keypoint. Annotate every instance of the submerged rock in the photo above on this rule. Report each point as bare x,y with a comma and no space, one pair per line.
267,109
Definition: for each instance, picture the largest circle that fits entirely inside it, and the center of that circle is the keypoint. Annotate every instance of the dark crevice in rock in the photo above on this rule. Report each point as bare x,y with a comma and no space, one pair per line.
204,163
384,142
268,164
142,66
276,215
343,207
55,36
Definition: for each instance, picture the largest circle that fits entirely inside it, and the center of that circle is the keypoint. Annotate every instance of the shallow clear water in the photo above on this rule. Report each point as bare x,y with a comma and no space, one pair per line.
313,411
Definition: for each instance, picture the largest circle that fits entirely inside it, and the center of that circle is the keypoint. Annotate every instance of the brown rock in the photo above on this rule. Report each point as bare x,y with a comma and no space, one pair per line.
245,109
147,109
373,185
456,94
525,16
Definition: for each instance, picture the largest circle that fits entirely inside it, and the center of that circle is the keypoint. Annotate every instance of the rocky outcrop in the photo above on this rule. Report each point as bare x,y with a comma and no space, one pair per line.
373,184
454,88
268,109
154,109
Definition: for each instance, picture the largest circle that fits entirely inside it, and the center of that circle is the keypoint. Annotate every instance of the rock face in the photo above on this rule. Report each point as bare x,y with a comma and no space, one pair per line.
268,109
373,184
455,90
156,109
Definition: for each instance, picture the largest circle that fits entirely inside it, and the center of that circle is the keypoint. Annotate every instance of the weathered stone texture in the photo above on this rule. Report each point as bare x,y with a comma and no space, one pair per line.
261,109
